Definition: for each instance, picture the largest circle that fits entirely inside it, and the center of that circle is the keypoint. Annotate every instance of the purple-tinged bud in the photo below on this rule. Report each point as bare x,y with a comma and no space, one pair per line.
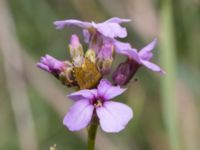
76,50
105,58
74,42
125,71
51,65
62,70
95,42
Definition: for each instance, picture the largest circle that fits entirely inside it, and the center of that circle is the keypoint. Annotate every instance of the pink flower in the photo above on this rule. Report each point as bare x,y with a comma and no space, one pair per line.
98,34
110,28
113,116
144,56
126,70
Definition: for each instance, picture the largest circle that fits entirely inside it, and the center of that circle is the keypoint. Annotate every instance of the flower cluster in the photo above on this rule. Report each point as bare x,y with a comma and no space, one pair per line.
87,69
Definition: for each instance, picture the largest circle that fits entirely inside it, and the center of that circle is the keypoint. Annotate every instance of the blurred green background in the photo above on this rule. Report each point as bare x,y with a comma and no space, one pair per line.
33,103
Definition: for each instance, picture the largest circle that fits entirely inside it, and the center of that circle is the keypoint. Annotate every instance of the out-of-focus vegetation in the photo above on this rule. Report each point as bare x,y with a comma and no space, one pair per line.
32,103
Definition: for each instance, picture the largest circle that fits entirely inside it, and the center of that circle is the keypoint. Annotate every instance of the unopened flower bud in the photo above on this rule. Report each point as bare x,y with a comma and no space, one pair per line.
91,55
66,76
51,65
125,71
76,50
104,66
105,59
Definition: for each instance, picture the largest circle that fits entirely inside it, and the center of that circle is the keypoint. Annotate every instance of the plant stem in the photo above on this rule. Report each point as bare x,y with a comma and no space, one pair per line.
168,57
92,130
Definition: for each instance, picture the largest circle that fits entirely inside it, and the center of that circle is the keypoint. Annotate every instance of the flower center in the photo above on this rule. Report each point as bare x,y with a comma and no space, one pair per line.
87,76
98,103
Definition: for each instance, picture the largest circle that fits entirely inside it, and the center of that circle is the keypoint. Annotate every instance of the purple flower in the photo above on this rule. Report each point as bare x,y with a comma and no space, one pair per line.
126,70
113,116
144,56
98,34
51,65
110,28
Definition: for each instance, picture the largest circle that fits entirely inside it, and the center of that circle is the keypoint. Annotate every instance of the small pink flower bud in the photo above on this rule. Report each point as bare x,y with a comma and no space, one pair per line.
76,50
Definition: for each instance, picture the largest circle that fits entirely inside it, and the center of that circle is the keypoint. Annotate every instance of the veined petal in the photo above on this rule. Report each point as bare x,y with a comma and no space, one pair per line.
153,66
71,22
106,91
146,52
111,30
83,94
79,115
114,116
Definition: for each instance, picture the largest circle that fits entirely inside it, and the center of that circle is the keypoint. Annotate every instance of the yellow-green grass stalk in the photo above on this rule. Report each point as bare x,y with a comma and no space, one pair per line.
168,59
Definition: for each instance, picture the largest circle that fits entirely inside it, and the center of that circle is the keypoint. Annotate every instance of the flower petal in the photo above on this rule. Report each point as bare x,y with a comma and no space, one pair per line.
114,116
111,30
106,51
133,54
106,91
117,20
83,94
145,53
153,67
43,67
79,115
71,22
51,64
86,35
120,46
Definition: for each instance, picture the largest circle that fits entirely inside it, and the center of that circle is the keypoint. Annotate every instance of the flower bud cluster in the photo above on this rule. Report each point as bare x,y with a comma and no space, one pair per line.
87,67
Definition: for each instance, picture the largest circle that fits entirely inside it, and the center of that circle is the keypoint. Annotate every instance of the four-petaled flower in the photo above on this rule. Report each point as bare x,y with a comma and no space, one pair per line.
110,28
98,34
113,116
144,56
126,70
